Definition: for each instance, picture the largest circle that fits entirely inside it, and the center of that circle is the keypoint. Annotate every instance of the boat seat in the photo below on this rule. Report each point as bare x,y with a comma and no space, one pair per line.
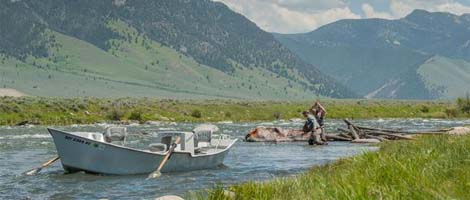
202,138
157,147
116,134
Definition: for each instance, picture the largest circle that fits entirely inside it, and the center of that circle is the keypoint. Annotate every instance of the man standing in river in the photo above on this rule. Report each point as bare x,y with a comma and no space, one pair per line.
310,127
319,112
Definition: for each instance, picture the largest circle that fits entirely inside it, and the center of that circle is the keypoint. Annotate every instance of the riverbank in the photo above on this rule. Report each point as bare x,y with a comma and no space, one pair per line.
432,167
62,111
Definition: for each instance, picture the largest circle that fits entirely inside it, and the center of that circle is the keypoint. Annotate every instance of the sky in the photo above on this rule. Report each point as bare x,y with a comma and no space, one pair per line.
298,16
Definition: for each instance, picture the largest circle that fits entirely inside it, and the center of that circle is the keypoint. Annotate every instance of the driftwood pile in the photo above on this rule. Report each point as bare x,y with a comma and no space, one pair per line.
352,133
361,134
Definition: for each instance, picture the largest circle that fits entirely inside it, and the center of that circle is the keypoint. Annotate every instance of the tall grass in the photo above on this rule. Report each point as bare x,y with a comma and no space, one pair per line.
90,110
432,167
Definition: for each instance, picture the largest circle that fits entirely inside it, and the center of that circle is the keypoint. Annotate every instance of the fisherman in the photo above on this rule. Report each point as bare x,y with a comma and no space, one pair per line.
319,112
310,128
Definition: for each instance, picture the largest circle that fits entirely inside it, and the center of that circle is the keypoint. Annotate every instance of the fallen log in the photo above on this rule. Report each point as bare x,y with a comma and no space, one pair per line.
353,132
344,130
366,141
375,133
345,134
332,137
355,128
391,135
440,131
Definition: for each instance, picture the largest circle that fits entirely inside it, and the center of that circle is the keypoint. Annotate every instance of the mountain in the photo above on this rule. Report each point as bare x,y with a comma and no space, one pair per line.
165,48
381,58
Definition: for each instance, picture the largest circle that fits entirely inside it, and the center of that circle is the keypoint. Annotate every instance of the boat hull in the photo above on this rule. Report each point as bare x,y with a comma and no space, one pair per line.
83,154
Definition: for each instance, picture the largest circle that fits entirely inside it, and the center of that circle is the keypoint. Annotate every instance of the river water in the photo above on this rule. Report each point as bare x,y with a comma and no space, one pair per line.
23,148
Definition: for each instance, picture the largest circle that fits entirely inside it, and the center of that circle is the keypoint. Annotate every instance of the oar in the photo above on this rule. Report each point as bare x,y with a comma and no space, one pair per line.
38,169
157,173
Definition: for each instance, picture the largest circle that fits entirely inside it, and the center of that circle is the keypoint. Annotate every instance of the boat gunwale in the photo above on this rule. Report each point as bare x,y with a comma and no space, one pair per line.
144,151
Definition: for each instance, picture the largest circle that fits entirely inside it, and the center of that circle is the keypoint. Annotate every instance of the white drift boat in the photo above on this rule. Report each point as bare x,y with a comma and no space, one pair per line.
106,153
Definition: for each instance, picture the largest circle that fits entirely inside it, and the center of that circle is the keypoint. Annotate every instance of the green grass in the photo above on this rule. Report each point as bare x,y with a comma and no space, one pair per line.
446,75
62,111
432,167
136,66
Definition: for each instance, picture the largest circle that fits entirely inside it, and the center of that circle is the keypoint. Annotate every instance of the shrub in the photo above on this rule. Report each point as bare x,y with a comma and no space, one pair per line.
228,115
115,114
136,115
82,106
277,115
75,108
196,114
463,104
451,112
424,109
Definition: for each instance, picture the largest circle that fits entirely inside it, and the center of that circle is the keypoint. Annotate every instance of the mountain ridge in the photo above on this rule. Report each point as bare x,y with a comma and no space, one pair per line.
205,31
390,50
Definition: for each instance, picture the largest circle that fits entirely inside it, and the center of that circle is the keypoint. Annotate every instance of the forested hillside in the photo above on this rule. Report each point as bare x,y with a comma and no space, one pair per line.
160,48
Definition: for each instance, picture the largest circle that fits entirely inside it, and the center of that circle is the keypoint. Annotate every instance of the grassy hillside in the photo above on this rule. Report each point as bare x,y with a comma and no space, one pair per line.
450,77
136,66
379,58
173,47
364,69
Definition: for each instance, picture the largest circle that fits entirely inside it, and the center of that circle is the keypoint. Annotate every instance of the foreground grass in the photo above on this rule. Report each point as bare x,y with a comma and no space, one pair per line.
432,167
62,111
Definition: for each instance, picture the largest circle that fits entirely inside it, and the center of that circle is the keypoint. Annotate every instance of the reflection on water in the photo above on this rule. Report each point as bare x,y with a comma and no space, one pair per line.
23,148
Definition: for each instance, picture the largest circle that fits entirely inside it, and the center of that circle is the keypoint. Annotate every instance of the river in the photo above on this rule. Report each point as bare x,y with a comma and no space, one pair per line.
23,148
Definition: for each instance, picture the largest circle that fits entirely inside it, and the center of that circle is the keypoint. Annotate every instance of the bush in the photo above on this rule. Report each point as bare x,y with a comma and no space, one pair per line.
228,115
115,114
424,109
136,115
277,115
196,114
463,104
75,108
451,112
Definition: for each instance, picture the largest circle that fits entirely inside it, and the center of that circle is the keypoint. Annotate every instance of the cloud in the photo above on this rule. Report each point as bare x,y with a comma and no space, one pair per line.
400,8
455,8
291,16
119,2
294,16
370,12
309,5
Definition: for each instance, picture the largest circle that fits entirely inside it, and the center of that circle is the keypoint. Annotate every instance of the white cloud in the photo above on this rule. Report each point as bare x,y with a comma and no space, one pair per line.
309,5
370,12
455,8
400,8
119,2
291,16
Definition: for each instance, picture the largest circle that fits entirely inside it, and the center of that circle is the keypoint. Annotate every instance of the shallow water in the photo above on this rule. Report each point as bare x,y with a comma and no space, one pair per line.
23,148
